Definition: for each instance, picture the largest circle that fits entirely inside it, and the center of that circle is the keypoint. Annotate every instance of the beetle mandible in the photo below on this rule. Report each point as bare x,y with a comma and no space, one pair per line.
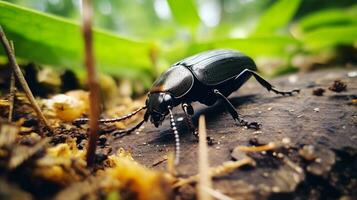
205,77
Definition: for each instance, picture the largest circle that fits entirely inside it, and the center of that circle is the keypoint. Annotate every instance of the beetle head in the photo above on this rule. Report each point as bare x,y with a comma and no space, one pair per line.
157,107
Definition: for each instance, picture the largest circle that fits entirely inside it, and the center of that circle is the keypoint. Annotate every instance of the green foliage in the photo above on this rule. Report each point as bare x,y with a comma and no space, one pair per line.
185,13
330,17
277,16
328,28
330,36
55,41
280,32
275,46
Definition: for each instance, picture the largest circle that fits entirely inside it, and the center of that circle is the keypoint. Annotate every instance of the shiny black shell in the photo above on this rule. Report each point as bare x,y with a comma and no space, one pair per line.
214,67
177,80
210,68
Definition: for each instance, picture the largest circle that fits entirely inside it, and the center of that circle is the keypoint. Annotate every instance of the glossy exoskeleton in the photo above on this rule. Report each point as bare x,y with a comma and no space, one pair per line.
206,78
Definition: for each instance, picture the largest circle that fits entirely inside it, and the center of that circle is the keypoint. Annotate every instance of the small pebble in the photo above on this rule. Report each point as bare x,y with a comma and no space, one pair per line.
293,79
286,140
270,108
316,109
352,74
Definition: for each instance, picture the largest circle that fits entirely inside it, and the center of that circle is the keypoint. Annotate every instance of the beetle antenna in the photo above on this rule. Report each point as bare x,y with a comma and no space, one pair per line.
177,138
120,133
111,120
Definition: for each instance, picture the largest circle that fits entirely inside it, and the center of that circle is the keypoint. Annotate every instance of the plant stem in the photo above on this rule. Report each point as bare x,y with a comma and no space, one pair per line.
93,84
16,69
12,96
204,181
12,89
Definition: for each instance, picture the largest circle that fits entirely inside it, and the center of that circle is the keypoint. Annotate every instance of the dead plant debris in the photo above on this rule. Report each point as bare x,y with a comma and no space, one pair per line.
318,92
338,86
257,167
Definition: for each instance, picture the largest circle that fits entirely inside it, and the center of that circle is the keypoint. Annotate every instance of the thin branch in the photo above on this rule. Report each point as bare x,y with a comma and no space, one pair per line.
21,78
225,168
204,180
12,96
93,84
12,90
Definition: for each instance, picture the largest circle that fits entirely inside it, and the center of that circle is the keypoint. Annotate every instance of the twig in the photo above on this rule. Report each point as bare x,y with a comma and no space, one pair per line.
266,147
220,170
12,90
21,78
94,97
204,180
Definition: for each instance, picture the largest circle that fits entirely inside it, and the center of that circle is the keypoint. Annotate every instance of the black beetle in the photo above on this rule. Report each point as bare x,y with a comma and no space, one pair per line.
206,78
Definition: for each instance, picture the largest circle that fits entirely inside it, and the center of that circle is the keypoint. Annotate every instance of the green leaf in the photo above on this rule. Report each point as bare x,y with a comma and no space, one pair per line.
185,13
55,41
331,17
277,16
330,36
274,46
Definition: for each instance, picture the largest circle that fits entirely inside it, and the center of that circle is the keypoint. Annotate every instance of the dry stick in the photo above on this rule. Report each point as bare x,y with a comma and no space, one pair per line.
12,90
21,78
93,84
203,165
225,168
12,96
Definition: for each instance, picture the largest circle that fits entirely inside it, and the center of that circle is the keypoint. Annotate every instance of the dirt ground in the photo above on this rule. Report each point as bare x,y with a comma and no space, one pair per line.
307,148
318,162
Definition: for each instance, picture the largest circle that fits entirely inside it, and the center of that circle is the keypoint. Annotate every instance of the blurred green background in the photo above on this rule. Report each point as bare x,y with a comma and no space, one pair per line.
141,38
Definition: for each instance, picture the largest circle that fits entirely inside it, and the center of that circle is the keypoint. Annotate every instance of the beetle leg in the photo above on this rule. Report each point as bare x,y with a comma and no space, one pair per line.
234,113
188,110
177,137
85,120
121,133
265,83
